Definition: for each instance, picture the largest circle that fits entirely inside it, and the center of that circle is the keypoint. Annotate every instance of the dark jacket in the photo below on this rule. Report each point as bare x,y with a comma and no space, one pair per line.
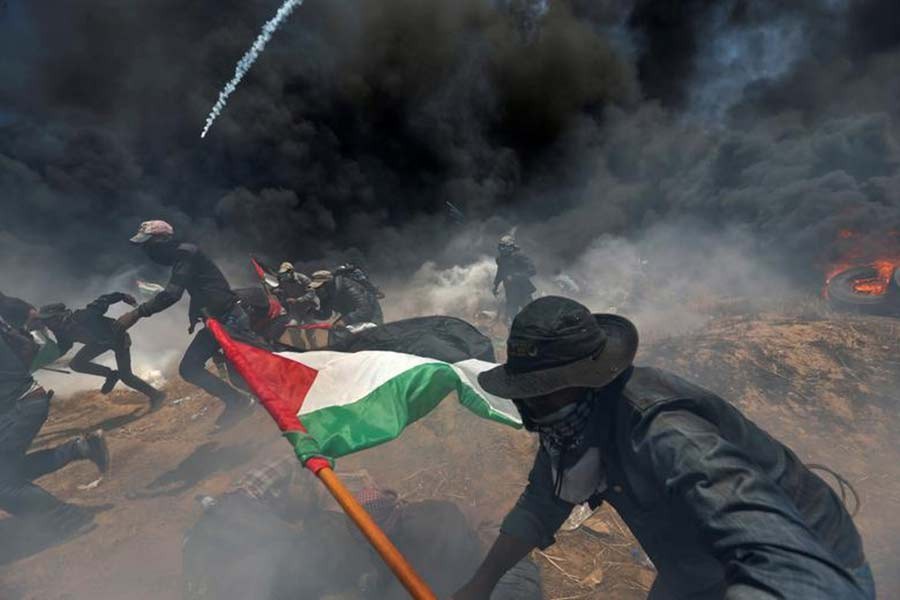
195,273
514,271
268,318
351,300
14,310
722,508
89,325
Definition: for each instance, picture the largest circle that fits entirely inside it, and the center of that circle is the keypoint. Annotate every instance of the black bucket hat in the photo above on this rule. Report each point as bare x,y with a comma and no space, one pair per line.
556,343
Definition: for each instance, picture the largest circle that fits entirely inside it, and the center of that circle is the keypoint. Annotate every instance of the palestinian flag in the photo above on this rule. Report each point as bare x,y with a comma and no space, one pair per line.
330,404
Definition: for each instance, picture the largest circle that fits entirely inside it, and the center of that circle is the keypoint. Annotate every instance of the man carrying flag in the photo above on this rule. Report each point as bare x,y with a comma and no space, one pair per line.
722,509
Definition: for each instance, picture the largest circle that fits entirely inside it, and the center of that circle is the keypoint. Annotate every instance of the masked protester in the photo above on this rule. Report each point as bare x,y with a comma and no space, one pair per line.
354,302
211,296
722,509
99,334
268,318
514,272
294,293
24,407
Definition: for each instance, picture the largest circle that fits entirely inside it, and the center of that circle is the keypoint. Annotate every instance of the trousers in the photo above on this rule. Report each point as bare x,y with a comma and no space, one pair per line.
203,347
19,425
82,363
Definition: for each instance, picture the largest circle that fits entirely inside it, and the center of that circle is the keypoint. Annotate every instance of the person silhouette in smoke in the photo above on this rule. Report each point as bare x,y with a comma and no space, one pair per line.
514,271
211,296
99,333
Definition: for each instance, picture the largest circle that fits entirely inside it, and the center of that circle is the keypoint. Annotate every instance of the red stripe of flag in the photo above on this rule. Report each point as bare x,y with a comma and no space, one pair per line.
280,384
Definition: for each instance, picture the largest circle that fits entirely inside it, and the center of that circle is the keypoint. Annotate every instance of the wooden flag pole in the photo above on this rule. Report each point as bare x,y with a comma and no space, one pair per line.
404,571
291,425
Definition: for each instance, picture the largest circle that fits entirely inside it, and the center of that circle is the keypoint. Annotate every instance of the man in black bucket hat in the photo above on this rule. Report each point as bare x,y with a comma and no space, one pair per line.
722,509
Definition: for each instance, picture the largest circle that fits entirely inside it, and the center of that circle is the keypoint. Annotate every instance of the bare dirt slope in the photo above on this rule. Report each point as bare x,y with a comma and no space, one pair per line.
826,385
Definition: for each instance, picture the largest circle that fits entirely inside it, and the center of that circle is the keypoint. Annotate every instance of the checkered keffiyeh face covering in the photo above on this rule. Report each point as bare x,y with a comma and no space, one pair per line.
569,432
274,475
563,439
383,505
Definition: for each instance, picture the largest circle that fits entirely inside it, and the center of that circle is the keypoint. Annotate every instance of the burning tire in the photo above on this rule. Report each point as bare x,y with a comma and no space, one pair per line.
865,289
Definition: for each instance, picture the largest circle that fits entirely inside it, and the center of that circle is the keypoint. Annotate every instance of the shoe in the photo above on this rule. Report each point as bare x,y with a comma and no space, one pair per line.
157,400
93,448
235,413
111,380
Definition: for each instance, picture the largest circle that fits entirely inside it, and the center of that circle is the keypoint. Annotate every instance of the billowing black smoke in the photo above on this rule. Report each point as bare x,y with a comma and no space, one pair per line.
364,117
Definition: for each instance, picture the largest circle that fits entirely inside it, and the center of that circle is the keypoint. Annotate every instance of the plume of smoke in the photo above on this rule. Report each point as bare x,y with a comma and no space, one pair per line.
248,59
670,279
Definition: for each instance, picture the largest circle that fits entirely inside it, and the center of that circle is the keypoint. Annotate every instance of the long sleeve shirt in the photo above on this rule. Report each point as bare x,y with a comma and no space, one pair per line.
195,273
722,509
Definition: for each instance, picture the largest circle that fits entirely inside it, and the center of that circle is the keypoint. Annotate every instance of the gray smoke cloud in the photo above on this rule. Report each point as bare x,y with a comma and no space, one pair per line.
571,121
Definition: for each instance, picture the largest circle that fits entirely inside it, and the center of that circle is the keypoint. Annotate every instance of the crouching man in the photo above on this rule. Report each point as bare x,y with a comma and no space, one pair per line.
722,508
24,407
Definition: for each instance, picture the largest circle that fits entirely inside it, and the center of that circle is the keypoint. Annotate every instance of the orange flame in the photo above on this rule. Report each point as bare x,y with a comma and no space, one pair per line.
884,261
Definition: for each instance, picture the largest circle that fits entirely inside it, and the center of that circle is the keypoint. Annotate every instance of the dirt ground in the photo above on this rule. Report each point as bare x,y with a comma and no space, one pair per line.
826,384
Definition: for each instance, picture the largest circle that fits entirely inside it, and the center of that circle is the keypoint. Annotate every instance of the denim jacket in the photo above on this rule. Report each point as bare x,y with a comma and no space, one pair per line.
723,509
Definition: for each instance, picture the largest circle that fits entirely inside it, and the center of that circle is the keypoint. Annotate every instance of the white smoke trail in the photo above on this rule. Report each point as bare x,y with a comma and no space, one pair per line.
248,59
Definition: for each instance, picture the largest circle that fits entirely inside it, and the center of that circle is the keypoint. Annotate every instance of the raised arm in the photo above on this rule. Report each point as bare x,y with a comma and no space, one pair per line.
102,304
